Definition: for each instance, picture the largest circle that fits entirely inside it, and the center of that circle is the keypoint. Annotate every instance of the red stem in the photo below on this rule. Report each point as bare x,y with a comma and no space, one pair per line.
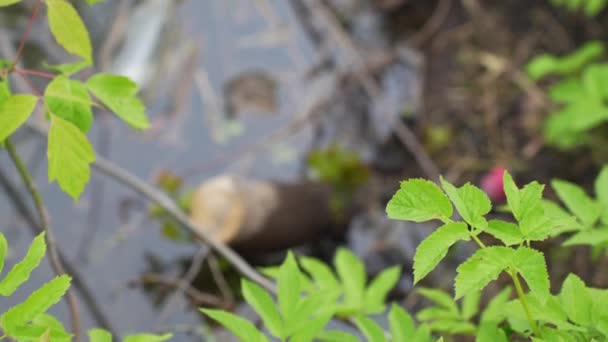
35,73
27,31
30,84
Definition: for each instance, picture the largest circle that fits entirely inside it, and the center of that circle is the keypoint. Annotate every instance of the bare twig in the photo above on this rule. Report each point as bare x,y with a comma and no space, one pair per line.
197,296
433,24
45,222
85,293
124,177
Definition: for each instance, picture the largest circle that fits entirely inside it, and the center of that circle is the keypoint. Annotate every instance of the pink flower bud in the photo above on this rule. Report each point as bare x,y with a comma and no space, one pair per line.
492,184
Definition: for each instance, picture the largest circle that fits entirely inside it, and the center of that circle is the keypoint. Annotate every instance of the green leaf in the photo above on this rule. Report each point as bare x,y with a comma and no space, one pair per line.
436,313
440,298
3,249
20,273
38,302
481,268
577,201
14,111
69,100
530,264
576,300
352,275
547,64
99,335
592,237
507,232
494,311
522,201
470,201
310,329
241,328
452,327
370,329
381,285
435,247
470,305
67,69
601,192
419,200
321,274
69,30
120,95
289,288
401,324
8,2
5,91
147,338
489,332
263,304
555,213
69,153
337,336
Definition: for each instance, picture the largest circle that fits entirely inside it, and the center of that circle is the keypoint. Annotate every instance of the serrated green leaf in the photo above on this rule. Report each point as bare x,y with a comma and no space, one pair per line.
489,332
507,232
263,304
20,273
419,200
14,111
435,247
470,201
310,329
34,332
440,298
470,305
524,200
69,30
3,250
8,2
321,274
601,192
481,268
147,338
69,100
99,335
378,289
69,154
352,274
38,302
337,336
401,324
555,213
289,289
531,265
120,95
576,301
577,201
370,329
592,237
241,328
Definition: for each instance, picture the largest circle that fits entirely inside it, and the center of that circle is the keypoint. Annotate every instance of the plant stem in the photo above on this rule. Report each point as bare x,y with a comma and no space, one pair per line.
524,303
479,242
50,238
27,31
35,72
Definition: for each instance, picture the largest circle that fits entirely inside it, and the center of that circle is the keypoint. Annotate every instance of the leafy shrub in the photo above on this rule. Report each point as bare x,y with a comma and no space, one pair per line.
589,7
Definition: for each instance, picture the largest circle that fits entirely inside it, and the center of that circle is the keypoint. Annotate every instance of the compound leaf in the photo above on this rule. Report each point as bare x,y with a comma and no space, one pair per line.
14,111
577,201
470,201
506,232
376,292
481,268
530,264
263,304
240,327
69,100
352,275
576,301
401,324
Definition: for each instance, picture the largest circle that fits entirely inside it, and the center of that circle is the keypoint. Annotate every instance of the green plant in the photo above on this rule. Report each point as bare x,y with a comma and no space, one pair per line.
580,94
28,321
66,100
591,224
589,7
535,220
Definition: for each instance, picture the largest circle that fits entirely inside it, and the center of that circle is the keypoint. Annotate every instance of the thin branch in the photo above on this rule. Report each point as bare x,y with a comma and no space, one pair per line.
35,72
50,236
85,292
124,177
27,31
